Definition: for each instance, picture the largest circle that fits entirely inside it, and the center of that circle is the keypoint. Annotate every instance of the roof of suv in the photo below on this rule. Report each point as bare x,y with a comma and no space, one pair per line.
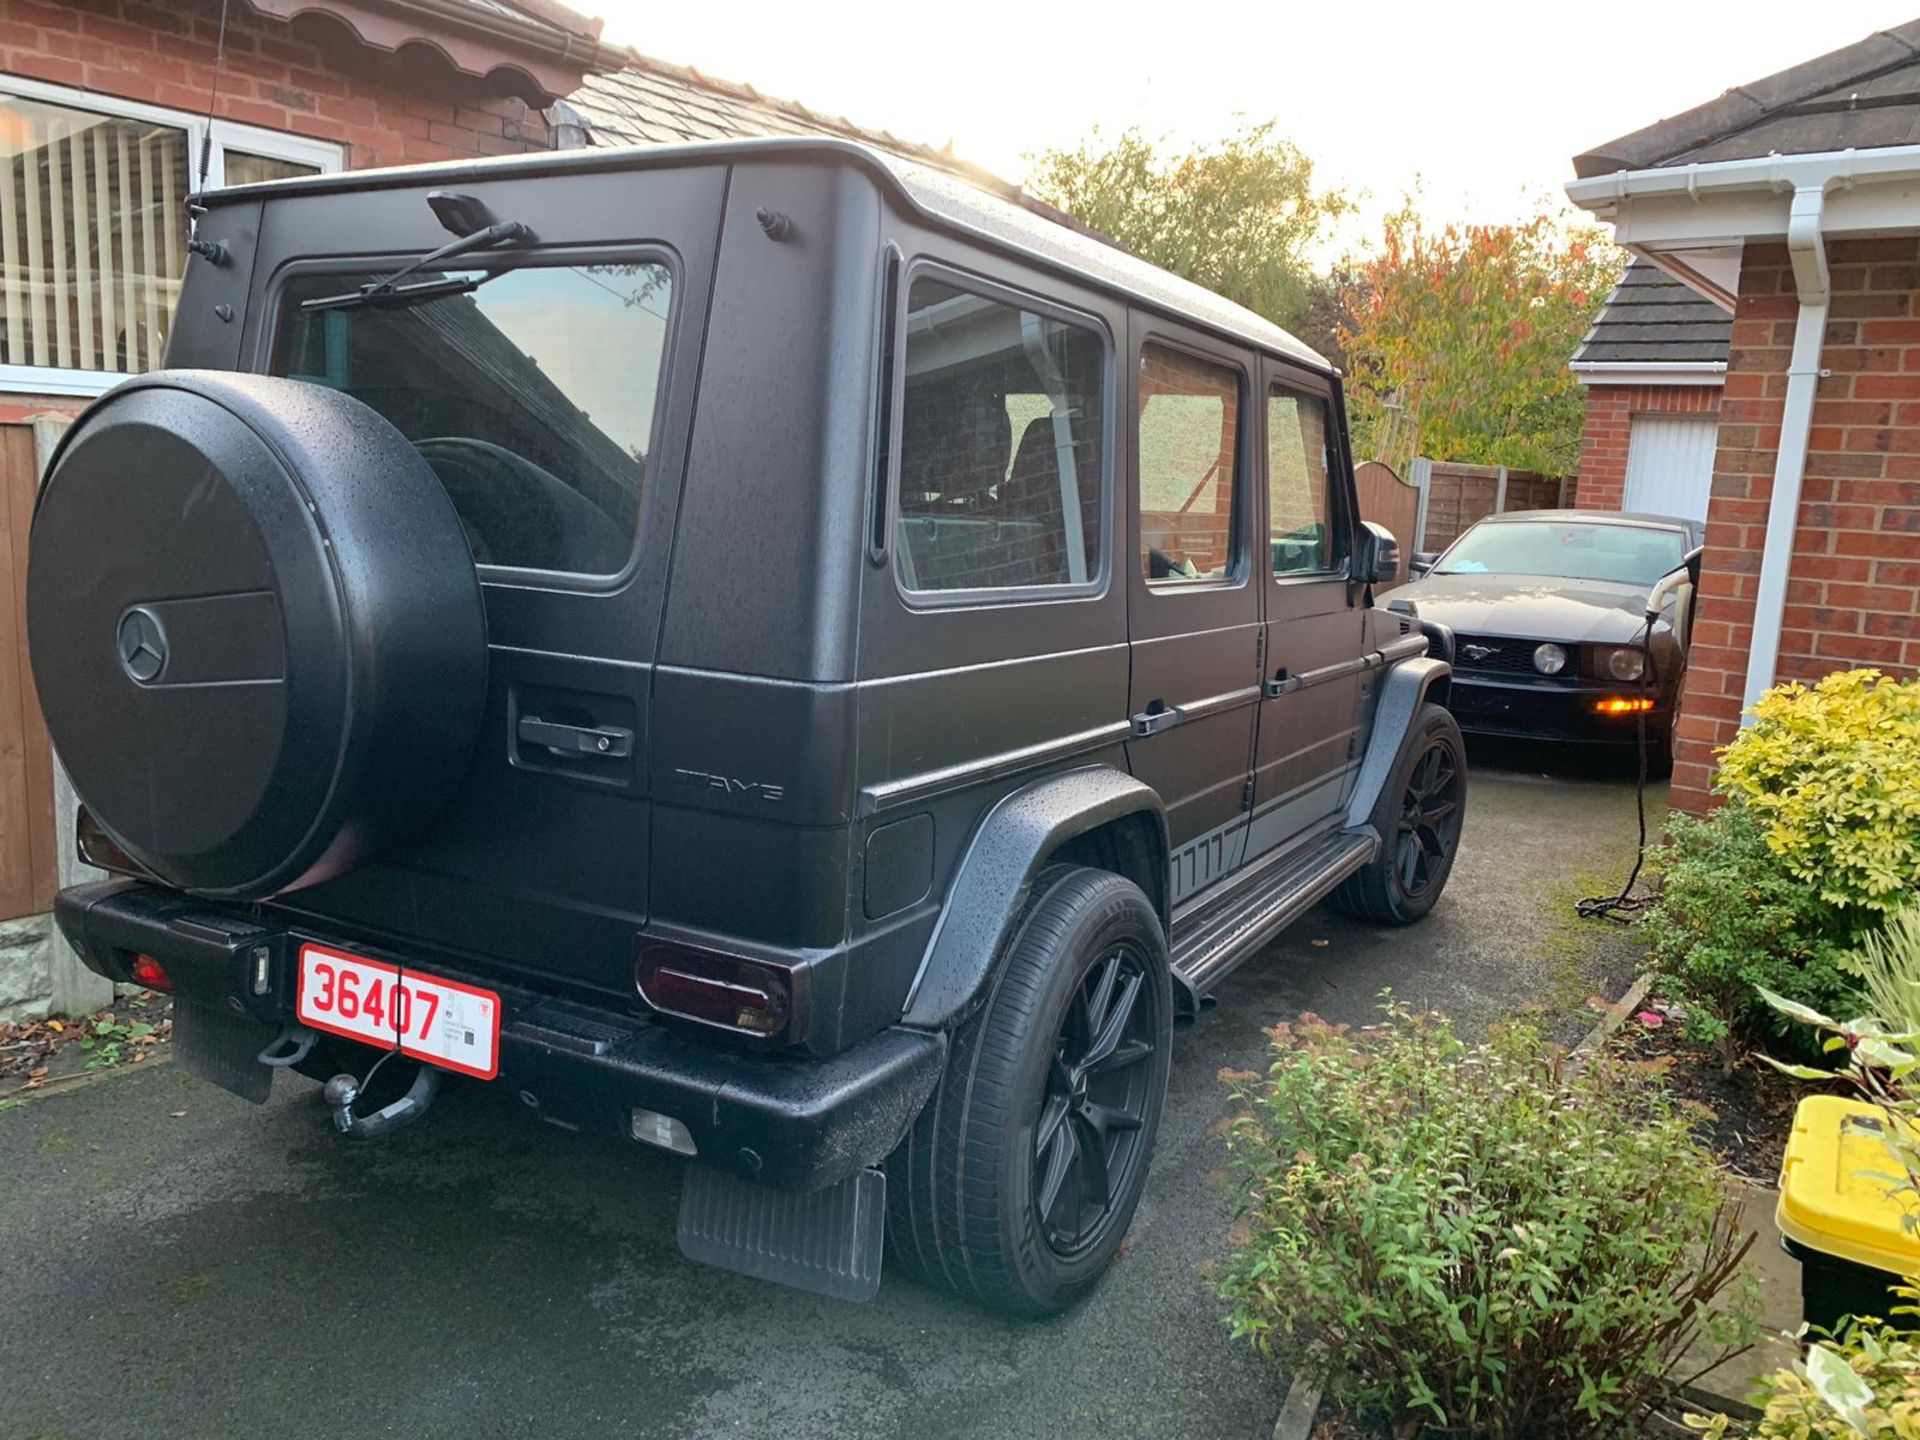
945,199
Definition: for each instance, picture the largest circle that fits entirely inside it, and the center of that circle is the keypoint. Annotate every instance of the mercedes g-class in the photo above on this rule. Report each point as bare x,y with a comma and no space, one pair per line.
759,649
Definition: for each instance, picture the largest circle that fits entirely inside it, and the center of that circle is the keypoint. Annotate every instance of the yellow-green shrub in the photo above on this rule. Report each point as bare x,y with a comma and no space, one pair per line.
1833,776
1867,1382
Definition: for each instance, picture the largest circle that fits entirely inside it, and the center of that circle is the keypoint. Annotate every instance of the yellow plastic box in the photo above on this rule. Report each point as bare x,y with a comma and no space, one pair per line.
1845,1213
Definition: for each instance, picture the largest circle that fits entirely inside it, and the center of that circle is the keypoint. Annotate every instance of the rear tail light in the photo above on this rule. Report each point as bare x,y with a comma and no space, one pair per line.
148,973
728,991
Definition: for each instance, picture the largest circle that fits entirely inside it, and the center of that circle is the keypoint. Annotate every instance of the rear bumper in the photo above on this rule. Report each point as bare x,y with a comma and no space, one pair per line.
789,1122
1544,710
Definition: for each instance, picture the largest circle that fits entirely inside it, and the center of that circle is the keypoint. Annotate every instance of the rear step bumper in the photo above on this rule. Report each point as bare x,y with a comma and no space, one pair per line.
783,1121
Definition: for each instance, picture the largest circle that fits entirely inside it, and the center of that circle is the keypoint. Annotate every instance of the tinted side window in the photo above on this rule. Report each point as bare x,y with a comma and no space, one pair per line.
1000,445
1189,428
1299,508
531,396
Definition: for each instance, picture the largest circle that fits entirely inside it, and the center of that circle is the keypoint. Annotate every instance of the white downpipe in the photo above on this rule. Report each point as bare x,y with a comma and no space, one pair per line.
1808,252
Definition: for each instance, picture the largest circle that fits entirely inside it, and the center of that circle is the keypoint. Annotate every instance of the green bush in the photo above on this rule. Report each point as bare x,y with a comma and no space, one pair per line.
1833,775
1732,917
1476,1238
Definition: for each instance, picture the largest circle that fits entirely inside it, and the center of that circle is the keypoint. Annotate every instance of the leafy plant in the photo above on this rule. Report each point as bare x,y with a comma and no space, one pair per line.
107,1039
1477,1238
1459,340
1238,217
1732,918
1832,774
1888,965
1867,1382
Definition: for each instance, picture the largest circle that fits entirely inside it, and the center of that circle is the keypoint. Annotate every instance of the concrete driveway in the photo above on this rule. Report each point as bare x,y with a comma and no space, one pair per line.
180,1264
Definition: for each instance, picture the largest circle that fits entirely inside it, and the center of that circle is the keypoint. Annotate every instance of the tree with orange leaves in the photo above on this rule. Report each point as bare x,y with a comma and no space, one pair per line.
1460,337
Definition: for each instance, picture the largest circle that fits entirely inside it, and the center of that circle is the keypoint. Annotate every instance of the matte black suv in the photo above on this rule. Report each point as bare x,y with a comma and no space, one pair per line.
759,649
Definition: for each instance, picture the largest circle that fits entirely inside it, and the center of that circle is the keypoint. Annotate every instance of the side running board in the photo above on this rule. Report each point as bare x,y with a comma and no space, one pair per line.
1221,931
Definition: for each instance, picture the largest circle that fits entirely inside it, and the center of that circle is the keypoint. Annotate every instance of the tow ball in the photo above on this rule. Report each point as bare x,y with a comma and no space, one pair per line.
343,1093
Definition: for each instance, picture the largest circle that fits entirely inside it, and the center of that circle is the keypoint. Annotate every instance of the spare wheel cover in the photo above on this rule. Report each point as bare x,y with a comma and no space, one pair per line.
255,627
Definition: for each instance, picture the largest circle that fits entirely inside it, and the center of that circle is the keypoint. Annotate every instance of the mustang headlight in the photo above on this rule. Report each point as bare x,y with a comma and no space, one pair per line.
1626,663
1549,659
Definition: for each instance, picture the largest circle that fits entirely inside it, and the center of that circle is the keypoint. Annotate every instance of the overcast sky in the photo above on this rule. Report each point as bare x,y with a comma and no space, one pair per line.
1482,103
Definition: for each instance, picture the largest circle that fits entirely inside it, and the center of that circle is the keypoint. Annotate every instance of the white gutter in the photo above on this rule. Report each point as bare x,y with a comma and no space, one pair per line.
1768,172
1649,372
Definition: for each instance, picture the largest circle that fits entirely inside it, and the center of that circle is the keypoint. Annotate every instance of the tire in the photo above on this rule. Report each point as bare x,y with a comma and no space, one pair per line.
966,1186
1661,755
1660,748
1398,887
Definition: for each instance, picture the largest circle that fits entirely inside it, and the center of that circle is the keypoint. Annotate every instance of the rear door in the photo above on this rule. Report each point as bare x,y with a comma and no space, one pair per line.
1194,603
553,401
1309,710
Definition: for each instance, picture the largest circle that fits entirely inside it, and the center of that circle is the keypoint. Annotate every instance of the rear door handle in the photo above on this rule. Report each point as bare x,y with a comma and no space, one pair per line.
1280,683
1156,717
595,742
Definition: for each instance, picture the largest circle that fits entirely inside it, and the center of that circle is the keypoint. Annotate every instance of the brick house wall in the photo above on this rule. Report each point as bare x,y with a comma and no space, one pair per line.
1853,589
306,79
309,80
1609,426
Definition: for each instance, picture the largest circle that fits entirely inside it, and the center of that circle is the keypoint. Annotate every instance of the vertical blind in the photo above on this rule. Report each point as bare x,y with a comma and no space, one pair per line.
92,237
93,233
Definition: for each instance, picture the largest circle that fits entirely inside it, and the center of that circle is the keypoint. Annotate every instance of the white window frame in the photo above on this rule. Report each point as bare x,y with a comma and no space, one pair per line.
322,155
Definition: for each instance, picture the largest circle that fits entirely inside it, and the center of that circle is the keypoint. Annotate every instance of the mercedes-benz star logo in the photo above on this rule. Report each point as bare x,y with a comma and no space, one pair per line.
142,645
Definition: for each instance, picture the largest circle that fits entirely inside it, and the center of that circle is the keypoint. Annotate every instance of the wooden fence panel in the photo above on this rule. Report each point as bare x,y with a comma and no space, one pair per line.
28,869
1460,496
1388,500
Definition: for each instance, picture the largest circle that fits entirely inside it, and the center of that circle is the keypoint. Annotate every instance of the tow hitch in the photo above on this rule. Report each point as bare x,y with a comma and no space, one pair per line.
343,1092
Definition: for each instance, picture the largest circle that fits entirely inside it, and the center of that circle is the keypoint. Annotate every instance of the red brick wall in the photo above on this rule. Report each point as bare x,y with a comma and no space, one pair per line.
1853,589
308,78
1603,439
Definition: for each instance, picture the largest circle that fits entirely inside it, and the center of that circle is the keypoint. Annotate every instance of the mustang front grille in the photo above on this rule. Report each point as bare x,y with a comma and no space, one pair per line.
1500,655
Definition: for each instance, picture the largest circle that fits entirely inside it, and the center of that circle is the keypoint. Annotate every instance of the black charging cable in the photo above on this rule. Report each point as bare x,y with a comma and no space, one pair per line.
1625,907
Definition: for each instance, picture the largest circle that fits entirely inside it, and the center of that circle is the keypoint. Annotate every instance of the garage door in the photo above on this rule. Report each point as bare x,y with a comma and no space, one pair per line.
1670,464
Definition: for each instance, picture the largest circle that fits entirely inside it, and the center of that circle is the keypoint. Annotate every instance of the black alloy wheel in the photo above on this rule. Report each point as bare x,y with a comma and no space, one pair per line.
1098,1089
1418,816
1429,818
1016,1184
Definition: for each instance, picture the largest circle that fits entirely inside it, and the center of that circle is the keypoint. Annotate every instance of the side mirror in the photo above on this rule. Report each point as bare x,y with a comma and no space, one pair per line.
1423,561
1379,558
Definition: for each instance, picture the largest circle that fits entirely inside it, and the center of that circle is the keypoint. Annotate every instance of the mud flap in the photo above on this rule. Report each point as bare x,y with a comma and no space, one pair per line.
222,1049
827,1242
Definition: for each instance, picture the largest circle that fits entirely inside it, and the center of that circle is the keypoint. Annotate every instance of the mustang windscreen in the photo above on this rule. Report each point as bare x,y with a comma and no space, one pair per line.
532,396
1626,554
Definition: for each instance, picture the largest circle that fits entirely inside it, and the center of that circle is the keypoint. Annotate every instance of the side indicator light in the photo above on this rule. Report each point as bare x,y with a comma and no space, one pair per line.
1622,705
149,973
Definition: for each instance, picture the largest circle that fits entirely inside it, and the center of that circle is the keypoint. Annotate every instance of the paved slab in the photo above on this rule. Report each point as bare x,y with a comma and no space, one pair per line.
178,1263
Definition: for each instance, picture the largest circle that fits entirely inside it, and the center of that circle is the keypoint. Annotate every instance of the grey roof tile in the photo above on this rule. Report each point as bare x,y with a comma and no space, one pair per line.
1652,318
1863,95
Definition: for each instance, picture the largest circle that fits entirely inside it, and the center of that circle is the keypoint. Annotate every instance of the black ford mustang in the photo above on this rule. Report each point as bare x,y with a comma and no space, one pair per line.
1548,614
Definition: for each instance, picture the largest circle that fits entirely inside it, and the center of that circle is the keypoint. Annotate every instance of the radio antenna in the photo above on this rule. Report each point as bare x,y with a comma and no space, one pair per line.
213,96
211,250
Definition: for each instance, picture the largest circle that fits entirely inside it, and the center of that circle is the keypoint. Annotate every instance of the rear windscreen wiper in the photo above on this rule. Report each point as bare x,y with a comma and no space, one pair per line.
388,290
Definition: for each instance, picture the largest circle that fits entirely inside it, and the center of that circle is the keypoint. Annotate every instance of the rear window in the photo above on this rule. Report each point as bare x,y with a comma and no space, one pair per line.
532,397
